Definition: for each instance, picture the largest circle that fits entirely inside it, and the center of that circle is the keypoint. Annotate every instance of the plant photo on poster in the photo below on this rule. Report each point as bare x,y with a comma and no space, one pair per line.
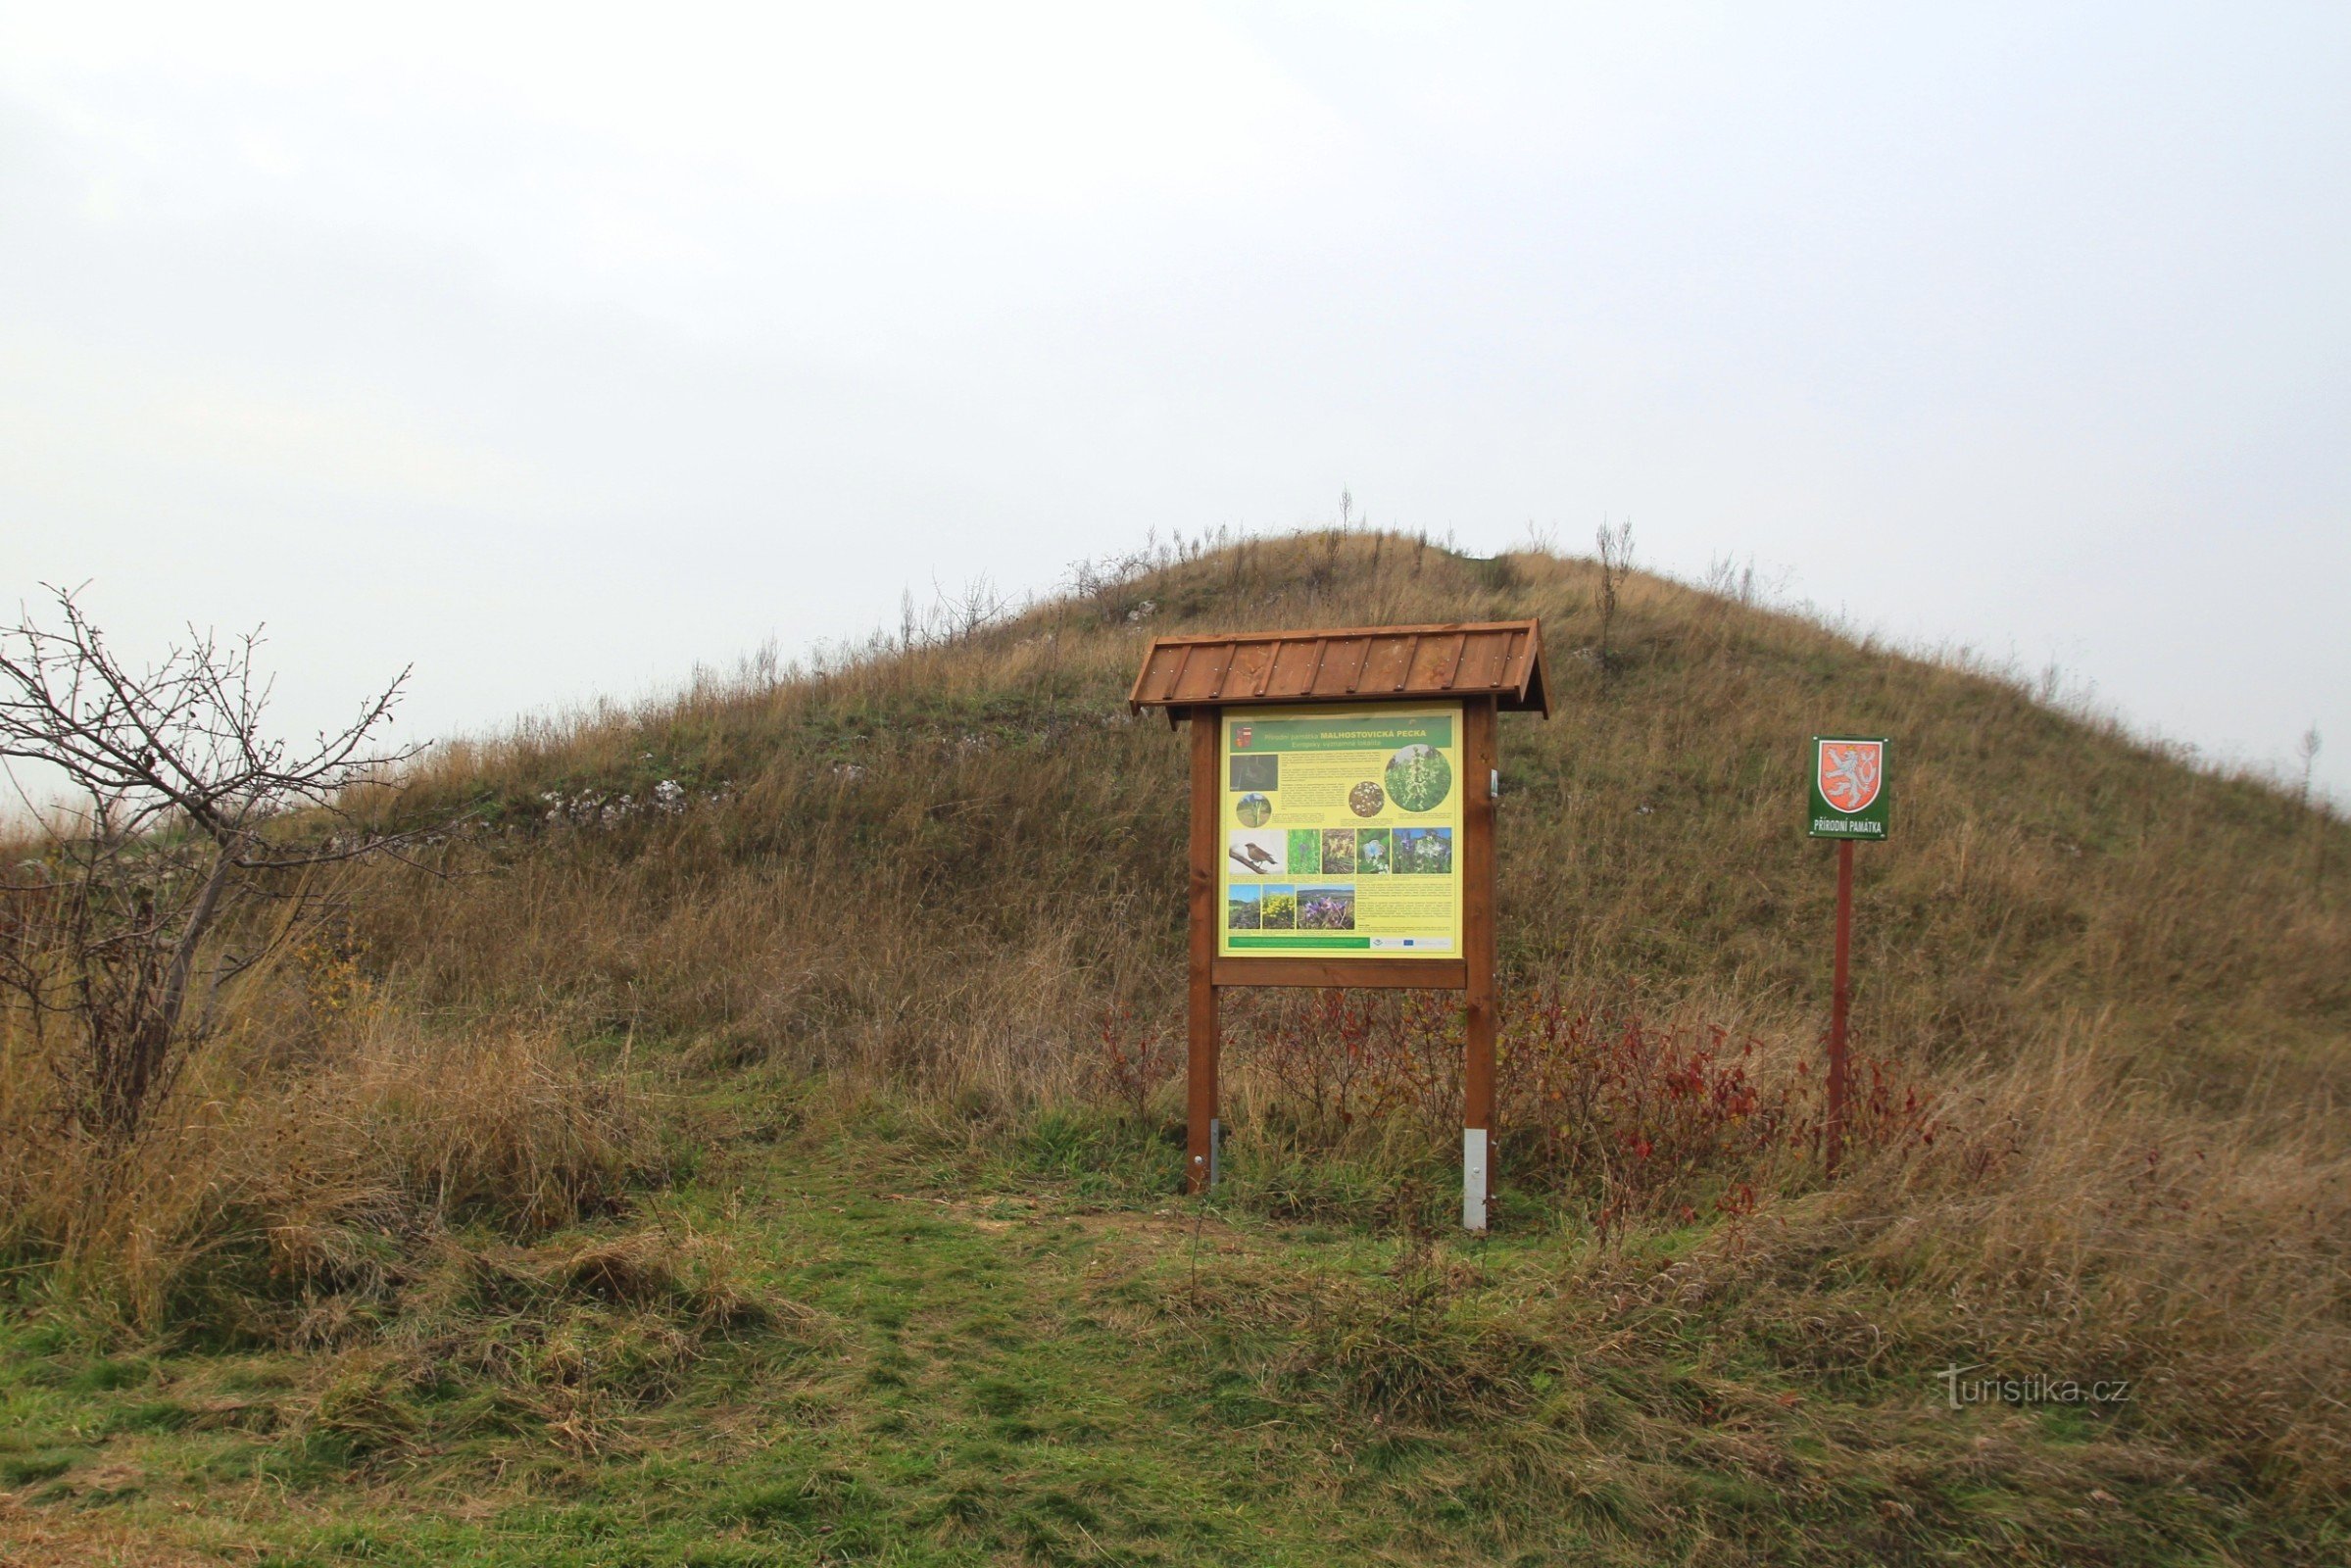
1339,852
1306,852
1419,778
1325,908
1424,850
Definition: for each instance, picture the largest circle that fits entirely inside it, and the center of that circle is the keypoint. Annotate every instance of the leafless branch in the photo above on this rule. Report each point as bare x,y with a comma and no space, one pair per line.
186,812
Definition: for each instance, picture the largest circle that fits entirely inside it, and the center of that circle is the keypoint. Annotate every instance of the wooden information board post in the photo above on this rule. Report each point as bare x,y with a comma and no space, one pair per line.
1343,797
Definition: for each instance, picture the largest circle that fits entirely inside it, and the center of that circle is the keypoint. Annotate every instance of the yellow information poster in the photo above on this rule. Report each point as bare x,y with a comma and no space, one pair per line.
1342,832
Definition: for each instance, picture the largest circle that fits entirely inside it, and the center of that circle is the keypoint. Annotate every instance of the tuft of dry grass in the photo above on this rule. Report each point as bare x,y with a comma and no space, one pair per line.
265,1191
565,1340
50,1538
2089,1222
2075,1224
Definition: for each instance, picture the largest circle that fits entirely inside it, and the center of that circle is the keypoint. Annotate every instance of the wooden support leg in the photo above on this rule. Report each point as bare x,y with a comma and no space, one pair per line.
1480,756
1201,1034
1199,1090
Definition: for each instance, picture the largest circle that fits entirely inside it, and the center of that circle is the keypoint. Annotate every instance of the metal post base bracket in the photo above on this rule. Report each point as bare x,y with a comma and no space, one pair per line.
1473,1178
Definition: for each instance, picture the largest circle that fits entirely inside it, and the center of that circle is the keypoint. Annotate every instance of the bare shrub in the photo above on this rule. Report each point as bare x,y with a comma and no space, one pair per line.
1131,1059
189,821
1613,544
1111,585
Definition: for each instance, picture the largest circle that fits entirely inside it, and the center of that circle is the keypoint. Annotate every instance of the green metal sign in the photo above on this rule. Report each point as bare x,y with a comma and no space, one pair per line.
1849,794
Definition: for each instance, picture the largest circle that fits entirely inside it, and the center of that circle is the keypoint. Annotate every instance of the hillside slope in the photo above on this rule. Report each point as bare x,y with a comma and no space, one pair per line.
750,1141
983,813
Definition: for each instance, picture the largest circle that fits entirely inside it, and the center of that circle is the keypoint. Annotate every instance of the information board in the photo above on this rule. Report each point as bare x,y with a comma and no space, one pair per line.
1341,831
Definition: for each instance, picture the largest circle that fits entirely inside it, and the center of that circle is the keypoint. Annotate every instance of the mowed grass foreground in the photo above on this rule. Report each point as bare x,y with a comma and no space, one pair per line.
748,1139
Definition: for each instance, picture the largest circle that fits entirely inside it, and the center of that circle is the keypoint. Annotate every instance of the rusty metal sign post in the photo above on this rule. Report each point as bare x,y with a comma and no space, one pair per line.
1332,773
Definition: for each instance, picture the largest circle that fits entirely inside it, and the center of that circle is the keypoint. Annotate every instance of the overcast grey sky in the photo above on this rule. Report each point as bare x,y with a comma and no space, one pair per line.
556,349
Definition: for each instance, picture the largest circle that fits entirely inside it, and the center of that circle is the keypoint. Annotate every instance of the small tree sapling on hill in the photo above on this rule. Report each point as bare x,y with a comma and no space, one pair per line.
1614,543
186,851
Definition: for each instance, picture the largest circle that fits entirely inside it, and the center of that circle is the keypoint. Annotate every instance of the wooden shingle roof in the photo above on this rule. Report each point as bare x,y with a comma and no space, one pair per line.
1501,659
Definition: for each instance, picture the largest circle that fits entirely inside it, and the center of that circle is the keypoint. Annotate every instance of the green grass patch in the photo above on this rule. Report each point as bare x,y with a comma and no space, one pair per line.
880,1341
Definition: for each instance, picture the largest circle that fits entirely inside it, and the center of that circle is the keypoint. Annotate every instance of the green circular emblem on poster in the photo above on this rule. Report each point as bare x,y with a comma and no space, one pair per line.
1419,778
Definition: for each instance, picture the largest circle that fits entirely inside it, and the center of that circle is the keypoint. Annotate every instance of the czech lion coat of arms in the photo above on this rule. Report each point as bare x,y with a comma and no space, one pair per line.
1851,773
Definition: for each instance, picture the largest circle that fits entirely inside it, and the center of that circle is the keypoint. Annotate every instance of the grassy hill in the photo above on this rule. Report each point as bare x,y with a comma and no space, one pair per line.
754,1138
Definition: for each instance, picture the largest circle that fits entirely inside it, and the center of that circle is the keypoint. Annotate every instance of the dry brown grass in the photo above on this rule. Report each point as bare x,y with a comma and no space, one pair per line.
931,869
270,1186
2124,971
50,1538
912,847
2076,1225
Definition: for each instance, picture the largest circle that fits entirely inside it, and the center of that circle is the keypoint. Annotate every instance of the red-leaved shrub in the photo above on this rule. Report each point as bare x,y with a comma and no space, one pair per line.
1591,1099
